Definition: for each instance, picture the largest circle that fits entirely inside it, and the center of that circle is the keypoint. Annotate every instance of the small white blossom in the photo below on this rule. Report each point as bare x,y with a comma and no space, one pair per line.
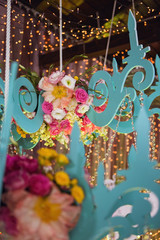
83,108
47,118
68,82
58,114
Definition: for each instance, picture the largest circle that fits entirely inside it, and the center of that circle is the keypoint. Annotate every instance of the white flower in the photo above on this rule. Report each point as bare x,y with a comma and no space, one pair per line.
58,114
47,118
83,108
72,105
41,83
68,82
89,100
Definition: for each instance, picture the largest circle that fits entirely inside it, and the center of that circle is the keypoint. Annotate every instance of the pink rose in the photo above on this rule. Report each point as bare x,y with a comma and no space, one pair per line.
56,77
81,95
39,184
17,179
47,107
77,113
9,221
54,124
65,125
86,120
54,131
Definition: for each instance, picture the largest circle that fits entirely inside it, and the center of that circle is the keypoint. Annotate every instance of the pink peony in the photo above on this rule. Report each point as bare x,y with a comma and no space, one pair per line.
53,221
17,179
81,95
47,107
30,165
9,221
10,162
56,77
65,125
86,120
39,184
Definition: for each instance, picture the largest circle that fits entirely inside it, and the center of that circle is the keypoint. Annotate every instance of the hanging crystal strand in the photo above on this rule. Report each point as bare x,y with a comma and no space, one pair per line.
95,163
88,162
113,136
132,122
97,156
152,139
105,145
141,99
108,152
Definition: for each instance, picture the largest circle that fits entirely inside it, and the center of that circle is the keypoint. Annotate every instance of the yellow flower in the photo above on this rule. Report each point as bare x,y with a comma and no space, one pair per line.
76,78
46,155
59,92
62,178
74,181
77,193
50,176
62,159
21,132
47,152
46,210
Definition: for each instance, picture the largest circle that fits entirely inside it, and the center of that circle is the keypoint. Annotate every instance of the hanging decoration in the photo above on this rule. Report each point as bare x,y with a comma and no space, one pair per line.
113,87
66,100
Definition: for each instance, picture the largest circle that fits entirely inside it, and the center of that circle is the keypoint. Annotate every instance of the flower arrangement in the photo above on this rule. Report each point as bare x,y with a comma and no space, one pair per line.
66,100
39,200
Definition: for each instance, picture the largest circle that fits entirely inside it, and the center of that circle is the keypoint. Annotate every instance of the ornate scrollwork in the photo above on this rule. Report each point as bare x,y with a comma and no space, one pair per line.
26,99
114,89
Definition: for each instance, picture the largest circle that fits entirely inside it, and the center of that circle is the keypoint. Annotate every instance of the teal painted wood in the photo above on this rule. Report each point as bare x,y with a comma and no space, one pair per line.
29,101
96,222
126,126
76,170
5,132
26,143
112,87
140,175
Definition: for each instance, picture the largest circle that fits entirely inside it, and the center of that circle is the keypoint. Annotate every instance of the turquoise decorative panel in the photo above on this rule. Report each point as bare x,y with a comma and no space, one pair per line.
99,215
76,170
112,88
5,132
26,98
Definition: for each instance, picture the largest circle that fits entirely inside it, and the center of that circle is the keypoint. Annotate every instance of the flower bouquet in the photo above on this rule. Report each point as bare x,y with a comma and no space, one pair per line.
39,200
66,100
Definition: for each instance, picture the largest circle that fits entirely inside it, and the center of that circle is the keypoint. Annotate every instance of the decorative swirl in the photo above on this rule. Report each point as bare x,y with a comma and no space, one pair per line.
25,99
143,81
115,94
128,125
99,82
